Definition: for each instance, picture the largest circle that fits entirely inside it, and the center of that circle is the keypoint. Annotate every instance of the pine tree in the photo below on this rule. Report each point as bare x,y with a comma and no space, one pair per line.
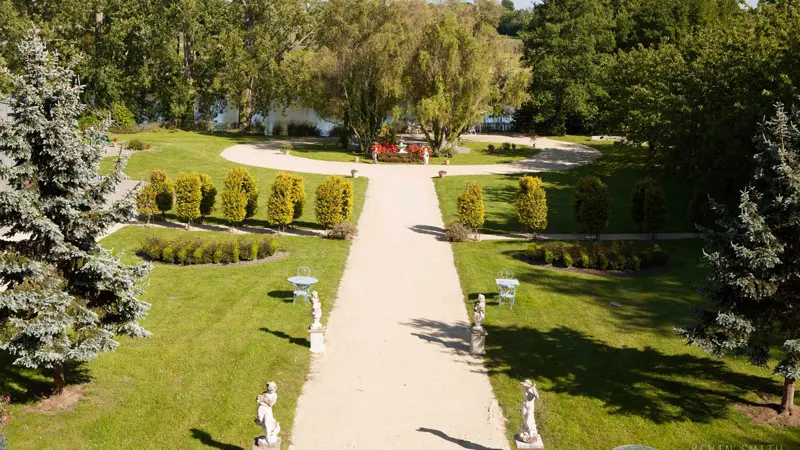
66,297
753,286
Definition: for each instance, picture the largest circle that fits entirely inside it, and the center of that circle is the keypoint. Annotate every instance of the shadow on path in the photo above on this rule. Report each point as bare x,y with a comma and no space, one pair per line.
208,441
303,342
428,229
453,336
460,442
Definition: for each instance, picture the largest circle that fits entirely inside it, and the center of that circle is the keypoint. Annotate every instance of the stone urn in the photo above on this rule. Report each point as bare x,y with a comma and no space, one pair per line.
354,173
442,173
446,162
358,158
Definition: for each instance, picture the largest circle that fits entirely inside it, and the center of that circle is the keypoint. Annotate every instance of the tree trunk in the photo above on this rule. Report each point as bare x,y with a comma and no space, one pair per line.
787,401
58,378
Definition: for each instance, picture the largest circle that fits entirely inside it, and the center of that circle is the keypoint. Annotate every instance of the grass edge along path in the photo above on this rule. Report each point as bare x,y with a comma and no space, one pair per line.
176,151
611,376
219,334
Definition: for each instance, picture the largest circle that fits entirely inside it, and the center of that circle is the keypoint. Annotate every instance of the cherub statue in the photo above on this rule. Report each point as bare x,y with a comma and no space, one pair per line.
528,433
479,312
266,400
316,311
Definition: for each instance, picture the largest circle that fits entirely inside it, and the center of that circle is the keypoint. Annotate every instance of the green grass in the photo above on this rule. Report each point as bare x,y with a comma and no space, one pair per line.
176,151
219,334
479,154
619,167
611,376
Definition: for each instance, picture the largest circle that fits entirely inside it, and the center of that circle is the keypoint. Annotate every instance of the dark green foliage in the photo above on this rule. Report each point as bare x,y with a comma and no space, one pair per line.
195,251
648,206
137,145
209,196
566,258
615,256
591,204
302,129
753,253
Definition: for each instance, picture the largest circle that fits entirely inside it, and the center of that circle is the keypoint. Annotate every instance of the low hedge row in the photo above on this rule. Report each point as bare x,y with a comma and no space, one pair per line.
616,256
196,251
407,158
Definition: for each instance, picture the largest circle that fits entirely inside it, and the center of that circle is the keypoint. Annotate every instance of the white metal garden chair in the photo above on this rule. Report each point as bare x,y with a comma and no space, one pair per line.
506,287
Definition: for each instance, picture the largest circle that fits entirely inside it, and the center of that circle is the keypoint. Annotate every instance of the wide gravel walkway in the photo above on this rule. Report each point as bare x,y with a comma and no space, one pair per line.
397,373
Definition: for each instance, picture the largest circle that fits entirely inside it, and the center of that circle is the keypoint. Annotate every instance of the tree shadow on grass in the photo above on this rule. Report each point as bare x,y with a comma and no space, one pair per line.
460,442
303,342
205,438
642,382
25,385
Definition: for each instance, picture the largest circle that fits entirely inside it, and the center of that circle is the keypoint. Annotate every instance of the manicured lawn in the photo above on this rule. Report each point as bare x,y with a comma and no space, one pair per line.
619,167
219,334
479,154
176,151
612,376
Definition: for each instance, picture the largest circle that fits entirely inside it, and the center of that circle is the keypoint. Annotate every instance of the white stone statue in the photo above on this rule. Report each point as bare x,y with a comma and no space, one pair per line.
426,155
479,312
264,417
528,433
316,311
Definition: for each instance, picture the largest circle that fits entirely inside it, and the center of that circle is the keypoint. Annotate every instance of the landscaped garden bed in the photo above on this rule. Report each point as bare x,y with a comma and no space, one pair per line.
191,251
617,256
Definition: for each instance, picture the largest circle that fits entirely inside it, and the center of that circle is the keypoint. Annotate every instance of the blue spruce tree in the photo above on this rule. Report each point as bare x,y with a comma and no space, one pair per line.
65,298
753,288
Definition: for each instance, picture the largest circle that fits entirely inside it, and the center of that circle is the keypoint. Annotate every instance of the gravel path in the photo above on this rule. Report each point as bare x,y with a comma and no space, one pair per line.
397,373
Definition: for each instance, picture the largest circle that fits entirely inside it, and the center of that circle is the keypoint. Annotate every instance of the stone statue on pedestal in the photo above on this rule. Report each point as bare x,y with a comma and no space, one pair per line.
266,400
316,311
528,433
479,312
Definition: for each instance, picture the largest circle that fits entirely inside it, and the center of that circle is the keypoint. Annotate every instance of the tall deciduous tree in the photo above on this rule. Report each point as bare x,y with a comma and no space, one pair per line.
461,70
66,297
754,281
358,69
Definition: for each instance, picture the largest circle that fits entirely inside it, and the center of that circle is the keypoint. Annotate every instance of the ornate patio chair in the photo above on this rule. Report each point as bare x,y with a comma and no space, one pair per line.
506,292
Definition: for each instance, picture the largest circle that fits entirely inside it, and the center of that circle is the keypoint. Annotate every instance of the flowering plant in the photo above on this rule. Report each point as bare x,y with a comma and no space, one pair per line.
384,148
418,150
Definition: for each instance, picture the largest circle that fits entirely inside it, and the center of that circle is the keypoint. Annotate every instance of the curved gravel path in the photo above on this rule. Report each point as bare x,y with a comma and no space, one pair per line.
397,373
554,155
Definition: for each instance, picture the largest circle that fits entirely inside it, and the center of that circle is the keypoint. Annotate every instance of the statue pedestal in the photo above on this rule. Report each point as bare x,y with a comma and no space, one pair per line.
260,443
476,346
528,445
317,339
